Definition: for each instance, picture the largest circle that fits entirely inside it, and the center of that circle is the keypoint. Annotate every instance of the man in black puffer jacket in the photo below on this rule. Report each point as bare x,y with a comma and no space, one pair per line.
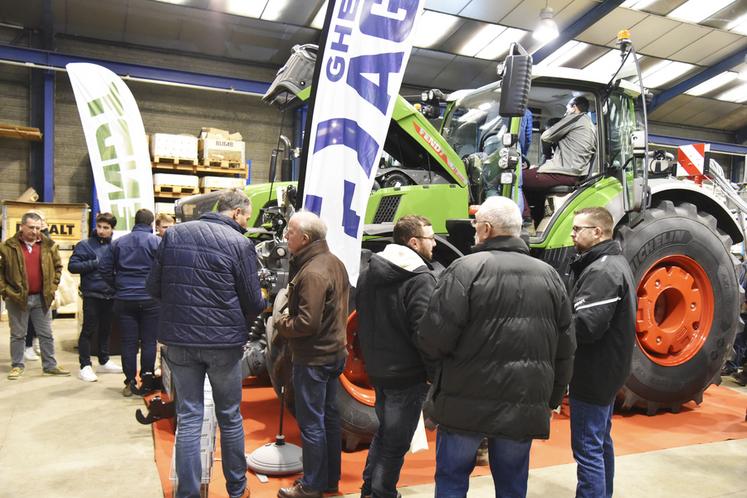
205,276
500,324
604,313
393,293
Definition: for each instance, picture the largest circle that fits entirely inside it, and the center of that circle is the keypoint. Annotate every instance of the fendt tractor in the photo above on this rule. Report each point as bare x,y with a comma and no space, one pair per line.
675,232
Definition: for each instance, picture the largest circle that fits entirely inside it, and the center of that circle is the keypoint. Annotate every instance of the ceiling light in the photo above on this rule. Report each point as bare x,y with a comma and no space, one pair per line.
737,94
739,25
273,10
564,54
432,27
174,2
244,8
501,44
637,4
481,39
710,85
318,21
696,10
664,72
546,29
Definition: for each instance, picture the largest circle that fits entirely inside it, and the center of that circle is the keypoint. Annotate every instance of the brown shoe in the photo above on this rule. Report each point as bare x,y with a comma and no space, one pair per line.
298,491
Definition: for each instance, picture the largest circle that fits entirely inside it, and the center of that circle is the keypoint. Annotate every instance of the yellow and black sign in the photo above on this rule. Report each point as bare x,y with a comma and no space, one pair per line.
66,222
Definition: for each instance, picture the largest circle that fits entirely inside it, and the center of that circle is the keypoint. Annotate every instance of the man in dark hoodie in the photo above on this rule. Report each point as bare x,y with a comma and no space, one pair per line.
89,256
393,293
135,310
205,276
604,312
499,323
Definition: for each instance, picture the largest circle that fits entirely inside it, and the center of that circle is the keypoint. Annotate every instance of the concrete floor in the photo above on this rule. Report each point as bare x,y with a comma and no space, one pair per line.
63,438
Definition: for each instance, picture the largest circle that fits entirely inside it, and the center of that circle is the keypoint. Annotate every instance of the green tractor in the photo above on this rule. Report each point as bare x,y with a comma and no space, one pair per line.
676,233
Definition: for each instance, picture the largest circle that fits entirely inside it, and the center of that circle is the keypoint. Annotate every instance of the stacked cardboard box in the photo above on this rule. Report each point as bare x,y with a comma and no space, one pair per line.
220,148
176,148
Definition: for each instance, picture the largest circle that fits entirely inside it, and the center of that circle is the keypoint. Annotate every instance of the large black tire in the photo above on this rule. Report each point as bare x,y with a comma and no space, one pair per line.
685,243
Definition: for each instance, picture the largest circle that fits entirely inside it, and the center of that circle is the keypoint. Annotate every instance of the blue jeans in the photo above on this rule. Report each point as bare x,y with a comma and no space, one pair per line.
455,460
189,366
19,319
398,411
319,420
138,325
592,448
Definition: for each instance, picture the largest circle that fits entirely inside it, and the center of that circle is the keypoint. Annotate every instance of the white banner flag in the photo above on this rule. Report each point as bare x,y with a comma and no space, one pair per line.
362,65
116,141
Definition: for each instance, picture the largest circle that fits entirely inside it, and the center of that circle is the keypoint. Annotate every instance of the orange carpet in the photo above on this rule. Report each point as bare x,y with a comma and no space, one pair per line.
720,417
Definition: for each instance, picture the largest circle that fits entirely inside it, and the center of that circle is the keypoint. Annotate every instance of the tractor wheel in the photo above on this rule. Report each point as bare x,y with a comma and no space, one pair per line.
688,305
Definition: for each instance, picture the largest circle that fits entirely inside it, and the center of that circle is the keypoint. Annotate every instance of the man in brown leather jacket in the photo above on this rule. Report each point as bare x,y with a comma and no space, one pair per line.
30,270
315,328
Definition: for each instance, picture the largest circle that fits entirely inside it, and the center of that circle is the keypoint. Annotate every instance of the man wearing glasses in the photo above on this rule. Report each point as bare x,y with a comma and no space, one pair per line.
499,324
393,293
30,271
604,311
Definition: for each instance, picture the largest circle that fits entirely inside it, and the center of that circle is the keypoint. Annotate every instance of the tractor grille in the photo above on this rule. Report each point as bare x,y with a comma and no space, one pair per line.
387,209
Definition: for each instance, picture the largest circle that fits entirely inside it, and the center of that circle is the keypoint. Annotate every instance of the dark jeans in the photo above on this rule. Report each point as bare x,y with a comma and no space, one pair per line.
30,334
97,319
188,369
455,460
398,411
319,421
138,326
592,449
536,186
740,348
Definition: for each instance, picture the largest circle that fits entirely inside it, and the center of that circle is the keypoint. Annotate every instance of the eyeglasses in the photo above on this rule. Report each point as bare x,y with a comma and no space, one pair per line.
432,237
474,223
576,229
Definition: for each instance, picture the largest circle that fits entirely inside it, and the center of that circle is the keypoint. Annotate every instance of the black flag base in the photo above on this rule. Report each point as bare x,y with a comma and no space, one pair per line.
157,410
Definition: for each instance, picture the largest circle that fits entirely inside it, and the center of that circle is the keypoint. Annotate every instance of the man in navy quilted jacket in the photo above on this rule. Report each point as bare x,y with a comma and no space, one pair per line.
205,276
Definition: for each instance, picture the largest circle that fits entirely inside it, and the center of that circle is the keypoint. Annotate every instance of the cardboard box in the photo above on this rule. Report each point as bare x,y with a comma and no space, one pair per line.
221,182
168,146
165,207
225,152
173,179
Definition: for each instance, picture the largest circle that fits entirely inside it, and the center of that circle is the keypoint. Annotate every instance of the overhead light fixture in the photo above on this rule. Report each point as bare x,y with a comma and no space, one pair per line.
432,27
637,4
607,64
318,21
501,44
564,54
546,29
663,72
245,9
481,39
696,10
712,84
737,94
739,25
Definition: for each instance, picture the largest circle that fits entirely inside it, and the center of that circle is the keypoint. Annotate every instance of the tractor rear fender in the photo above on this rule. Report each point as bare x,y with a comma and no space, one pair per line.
680,191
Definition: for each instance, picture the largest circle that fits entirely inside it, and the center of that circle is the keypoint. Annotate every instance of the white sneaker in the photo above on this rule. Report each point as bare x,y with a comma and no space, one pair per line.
35,345
30,355
110,367
86,374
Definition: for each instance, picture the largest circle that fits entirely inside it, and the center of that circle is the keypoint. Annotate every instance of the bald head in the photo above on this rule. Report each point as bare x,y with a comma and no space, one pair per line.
304,228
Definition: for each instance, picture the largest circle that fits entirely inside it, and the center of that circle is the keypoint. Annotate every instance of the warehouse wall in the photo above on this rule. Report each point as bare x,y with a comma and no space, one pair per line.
164,109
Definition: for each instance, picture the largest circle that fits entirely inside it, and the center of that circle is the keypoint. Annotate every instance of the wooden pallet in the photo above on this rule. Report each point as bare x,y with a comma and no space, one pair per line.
218,163
236,172
186,168
174,160
174,191
207,190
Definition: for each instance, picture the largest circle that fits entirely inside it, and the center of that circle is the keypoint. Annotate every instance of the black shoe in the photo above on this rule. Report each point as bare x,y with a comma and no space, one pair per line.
740,378
728,370
147,383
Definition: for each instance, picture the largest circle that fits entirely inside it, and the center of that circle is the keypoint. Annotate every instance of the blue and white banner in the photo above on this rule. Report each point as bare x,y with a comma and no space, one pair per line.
362,65
117,145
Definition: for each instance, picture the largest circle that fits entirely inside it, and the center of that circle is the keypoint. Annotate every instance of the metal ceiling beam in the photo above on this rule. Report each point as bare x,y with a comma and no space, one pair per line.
723,65
576,28
740,136
53,60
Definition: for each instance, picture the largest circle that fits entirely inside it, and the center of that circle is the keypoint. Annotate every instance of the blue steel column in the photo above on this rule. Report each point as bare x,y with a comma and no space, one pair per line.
47,194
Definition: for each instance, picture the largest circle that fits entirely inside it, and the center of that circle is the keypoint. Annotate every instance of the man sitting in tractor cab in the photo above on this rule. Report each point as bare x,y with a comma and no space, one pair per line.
575,138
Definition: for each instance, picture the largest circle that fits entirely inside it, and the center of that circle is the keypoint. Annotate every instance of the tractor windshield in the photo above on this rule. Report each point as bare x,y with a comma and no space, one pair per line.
473,119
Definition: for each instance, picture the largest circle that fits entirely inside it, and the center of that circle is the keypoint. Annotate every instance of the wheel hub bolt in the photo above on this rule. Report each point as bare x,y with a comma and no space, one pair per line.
658,340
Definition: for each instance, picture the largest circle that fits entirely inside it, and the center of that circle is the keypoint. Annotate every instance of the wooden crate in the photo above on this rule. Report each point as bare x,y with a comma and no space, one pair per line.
68,223
174,191
221,153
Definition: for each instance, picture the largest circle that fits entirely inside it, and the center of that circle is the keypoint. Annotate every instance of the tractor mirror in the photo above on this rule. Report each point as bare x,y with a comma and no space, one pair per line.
516,80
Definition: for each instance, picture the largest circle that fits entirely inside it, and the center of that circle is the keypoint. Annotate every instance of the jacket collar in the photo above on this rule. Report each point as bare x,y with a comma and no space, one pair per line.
308,253
502,243
19,242
606,248
142,227
222,219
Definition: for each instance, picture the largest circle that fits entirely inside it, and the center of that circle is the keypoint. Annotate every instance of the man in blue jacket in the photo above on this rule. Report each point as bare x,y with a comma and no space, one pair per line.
135,310
205,276
604,314
89,256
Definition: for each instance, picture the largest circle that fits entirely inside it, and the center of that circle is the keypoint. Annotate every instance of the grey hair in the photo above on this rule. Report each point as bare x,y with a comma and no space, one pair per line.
503,215
231,199
31,215
310,224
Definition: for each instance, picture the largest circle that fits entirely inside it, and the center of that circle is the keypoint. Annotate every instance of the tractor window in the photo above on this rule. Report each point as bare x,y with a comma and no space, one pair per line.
620,124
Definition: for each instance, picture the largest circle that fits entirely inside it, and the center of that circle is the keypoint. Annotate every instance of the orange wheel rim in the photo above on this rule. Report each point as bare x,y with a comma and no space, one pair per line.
354,378
675,310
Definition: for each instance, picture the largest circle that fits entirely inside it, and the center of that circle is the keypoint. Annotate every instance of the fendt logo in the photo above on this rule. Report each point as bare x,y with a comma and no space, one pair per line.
433,144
